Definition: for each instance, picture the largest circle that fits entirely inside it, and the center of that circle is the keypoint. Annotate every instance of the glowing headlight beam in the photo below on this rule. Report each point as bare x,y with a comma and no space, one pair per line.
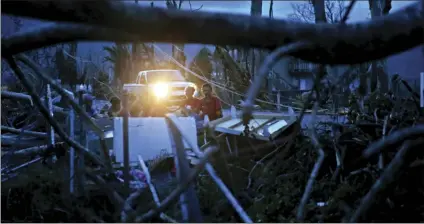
160,90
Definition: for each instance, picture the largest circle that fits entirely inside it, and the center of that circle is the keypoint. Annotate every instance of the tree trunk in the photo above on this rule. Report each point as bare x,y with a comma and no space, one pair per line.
262,55
177,49
255,55
319,10
271,9
135,60
379,76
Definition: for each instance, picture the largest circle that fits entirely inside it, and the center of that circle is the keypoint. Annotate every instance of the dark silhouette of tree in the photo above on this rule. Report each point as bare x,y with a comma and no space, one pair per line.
119,55
201,65
101,87
66,65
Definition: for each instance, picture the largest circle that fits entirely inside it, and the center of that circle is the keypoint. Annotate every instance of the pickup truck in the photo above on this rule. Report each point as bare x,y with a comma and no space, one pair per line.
163,88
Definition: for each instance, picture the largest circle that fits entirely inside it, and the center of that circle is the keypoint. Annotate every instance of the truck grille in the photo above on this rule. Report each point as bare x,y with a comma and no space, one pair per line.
178,88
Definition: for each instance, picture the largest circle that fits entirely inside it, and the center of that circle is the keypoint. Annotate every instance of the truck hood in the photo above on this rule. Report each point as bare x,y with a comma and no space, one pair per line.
180,84
177,87
172,84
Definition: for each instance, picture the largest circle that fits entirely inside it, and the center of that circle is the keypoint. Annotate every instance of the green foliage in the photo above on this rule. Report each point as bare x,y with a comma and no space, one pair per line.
67,66
120,57
127,61
201,65
101,87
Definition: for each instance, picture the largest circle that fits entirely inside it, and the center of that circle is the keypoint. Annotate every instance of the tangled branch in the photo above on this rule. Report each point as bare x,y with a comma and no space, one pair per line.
331,44
46,114
173,196
391,173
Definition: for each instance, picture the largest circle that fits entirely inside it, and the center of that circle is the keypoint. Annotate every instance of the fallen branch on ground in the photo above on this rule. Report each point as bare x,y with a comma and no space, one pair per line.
23,132
36,150
173,196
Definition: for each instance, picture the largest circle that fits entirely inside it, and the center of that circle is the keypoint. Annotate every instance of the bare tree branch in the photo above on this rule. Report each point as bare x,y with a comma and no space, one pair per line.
189,2
34,150
23,132
268,64
331,44
391,173
85,117
394,139
321,155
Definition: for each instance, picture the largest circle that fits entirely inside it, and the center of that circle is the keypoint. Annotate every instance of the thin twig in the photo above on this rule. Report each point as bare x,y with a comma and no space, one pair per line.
332,43
315,170
381,155
189,2
258,162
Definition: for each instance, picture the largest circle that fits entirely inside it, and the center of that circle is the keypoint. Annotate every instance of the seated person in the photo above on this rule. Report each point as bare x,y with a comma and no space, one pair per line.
116,109
190,104
136,108
210,105
88,101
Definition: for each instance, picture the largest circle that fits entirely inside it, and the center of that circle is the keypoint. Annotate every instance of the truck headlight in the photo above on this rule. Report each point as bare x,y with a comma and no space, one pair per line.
160,90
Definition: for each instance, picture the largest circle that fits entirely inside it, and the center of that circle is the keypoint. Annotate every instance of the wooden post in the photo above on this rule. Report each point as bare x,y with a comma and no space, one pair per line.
83,139
126,144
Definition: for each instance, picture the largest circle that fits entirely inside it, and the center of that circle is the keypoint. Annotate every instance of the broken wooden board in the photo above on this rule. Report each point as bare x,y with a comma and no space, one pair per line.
264,126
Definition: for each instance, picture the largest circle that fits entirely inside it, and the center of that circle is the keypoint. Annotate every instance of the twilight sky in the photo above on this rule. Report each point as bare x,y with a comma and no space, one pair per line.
281,8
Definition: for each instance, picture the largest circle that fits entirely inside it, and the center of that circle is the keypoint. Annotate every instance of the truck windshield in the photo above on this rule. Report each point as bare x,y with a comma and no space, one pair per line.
164,76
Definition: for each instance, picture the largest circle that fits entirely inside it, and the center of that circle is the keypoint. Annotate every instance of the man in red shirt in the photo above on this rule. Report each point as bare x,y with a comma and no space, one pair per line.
190,101
210,104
